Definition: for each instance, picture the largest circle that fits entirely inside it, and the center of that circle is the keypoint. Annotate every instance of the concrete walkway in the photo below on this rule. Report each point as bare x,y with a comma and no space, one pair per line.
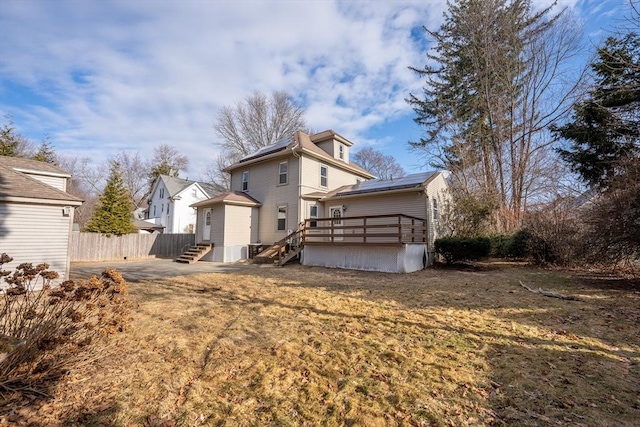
156,268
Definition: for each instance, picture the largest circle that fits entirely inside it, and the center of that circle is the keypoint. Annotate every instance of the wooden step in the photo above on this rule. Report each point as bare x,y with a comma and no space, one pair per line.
194,253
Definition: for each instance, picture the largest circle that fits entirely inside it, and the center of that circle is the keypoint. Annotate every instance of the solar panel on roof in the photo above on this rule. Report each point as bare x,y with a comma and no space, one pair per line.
375,185
277,146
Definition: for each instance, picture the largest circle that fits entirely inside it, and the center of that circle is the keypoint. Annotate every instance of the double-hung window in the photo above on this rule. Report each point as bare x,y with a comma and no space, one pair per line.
324,176
436,214
341,151
313,214
283,172
282,218
245,181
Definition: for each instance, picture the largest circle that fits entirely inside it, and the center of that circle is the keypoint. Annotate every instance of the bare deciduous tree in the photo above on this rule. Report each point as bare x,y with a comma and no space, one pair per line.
381,165
135,175
255,122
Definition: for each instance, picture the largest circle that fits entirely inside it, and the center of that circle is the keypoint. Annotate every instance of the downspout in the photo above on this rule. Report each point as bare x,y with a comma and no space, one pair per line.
296,155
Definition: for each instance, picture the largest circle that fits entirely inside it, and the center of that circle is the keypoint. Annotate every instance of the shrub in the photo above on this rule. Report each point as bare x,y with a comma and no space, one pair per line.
45,330
455,249
518,246
500,245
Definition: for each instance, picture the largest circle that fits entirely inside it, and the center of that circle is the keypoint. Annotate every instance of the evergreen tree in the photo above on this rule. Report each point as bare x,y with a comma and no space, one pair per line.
8,140
605,130
113,216
494,87
46,153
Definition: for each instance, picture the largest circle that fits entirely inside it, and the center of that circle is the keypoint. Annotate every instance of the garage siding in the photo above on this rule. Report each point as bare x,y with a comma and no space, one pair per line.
35,234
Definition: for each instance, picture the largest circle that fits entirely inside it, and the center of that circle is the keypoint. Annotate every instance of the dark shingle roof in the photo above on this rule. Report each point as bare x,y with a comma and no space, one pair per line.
16,184
230,197
175,185
379,185
31,165
302,143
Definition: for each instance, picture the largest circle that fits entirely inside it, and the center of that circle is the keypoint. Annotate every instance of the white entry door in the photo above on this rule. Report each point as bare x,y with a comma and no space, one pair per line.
336,212
206,230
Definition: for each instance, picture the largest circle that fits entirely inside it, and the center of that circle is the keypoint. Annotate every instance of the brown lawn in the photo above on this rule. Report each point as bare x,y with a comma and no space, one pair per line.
313,346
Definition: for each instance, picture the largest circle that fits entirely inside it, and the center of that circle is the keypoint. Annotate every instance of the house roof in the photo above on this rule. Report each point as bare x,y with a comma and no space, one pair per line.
233,197
146,225
302,142
18,186
23,165
416,180
176,185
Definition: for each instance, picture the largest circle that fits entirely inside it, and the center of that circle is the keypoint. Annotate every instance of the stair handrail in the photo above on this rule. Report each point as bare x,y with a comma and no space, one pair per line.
295,240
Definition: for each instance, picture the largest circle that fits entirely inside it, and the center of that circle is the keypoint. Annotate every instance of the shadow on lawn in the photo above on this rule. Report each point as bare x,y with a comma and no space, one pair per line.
560,362
548,361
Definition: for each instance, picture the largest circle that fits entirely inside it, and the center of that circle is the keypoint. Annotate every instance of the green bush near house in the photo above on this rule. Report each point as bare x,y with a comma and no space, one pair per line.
456,249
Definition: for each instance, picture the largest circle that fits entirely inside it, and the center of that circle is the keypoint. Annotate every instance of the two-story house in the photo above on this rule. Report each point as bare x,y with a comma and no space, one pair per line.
273,190
36,214
170,203
304,190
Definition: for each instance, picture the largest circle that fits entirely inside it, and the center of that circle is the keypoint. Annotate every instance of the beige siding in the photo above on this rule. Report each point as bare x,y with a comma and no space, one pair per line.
412,204
218,224
36,234
264,187
55,181
237,225
311,176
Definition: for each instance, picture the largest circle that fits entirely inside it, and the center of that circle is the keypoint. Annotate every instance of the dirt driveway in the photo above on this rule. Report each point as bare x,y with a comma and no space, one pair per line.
155,268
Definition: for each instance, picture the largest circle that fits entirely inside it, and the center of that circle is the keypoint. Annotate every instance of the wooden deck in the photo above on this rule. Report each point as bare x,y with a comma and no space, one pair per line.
395,229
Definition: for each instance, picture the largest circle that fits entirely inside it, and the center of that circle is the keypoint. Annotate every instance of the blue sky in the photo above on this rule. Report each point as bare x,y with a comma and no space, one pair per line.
100,77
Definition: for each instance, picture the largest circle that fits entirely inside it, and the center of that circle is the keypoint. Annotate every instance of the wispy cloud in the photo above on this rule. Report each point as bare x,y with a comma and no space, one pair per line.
101,77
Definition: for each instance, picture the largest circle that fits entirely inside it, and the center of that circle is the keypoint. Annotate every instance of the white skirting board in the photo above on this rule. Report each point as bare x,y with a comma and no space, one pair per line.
391,259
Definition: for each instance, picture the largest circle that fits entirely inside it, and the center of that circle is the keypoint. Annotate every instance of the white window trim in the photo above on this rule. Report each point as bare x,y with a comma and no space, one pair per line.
326,177
278,217
286,173
313,224
245,183
341,152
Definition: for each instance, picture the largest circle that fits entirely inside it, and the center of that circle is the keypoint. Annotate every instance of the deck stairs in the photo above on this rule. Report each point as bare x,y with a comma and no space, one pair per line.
195,253
284,250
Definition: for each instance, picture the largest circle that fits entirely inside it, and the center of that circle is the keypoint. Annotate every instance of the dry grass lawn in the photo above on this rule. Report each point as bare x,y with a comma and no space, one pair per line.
311,346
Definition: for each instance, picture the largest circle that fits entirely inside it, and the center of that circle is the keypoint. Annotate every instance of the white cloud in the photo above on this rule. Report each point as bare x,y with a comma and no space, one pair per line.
106,76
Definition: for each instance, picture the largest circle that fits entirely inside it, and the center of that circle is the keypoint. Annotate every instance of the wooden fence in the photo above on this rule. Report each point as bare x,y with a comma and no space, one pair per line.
98,247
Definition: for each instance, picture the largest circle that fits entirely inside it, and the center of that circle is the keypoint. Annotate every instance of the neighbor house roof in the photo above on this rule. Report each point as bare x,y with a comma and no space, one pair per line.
413,181
302,143
146,225
233,197
176,185
17,186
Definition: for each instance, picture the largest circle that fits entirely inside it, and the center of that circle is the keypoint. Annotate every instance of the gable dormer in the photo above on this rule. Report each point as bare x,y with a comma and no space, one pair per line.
333,144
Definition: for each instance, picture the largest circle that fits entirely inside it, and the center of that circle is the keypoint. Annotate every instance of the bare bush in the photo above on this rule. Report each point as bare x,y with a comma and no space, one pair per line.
46,330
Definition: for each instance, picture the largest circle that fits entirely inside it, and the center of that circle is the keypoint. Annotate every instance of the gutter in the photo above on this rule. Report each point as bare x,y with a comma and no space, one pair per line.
420,189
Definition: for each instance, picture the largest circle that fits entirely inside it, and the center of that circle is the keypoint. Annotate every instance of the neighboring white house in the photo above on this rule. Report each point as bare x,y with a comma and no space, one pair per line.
36,214
309,179
170,203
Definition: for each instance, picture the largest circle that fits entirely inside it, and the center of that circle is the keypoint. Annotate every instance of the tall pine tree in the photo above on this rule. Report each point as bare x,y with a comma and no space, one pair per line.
605,130
494,82
113,216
